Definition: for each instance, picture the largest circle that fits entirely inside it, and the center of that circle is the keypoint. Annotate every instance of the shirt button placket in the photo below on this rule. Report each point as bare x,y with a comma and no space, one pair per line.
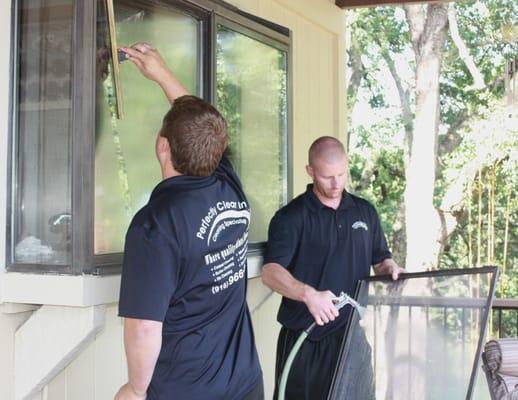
340,224
337,221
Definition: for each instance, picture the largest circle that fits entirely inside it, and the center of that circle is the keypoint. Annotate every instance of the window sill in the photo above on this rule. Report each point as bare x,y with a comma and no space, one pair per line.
71,290
60,290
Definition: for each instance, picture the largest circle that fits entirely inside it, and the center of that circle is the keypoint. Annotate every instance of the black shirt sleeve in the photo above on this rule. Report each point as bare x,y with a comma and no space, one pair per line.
149,274
283,240
380,250
225,167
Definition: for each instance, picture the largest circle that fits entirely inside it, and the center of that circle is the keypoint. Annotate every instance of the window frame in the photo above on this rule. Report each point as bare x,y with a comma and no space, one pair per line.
279,42
209,13
80,69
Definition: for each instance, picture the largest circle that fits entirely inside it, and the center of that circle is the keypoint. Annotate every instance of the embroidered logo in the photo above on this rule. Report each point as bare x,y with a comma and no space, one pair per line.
360,224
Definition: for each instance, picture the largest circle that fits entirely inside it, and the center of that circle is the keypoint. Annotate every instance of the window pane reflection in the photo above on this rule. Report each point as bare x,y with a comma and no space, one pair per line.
251,94
421,338
125,166
42,198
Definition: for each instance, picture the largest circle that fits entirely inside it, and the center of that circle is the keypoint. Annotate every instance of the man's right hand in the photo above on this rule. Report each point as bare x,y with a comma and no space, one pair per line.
126,392
149,62
320,305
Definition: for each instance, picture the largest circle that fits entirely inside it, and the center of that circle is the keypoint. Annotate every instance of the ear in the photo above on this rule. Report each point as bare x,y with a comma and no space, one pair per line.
163,150
309,171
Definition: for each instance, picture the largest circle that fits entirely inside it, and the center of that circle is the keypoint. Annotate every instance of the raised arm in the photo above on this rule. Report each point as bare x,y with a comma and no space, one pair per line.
151,64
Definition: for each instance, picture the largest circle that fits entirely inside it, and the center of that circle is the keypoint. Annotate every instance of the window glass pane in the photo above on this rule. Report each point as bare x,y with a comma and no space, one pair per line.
42,199
418,339
125,166
251,94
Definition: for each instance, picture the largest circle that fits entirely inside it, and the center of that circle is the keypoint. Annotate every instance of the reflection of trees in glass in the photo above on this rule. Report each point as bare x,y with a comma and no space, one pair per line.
228,100
251,94
175,36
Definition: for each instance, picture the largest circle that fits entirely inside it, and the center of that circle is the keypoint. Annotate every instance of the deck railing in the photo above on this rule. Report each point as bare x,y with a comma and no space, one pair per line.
504,321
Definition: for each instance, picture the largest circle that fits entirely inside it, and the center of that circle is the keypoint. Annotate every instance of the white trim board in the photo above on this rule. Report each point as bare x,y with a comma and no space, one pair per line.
59,290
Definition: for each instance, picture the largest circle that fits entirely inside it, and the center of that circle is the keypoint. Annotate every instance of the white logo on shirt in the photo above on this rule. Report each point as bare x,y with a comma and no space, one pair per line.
227,265
227,219
360,224
237,212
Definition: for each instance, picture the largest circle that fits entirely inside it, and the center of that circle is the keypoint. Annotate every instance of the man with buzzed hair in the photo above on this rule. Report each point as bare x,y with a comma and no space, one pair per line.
320,244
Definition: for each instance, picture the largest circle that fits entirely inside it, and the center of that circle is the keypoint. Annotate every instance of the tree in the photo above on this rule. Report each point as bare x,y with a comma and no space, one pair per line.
428,29
453,78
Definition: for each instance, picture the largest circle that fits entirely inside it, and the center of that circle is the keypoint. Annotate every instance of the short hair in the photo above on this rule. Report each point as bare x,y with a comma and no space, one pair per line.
197,135
327,147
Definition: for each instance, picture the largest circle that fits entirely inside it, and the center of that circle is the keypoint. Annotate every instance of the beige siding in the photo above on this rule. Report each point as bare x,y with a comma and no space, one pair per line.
8,325
318,67
98,371
57,389
109,352
263,305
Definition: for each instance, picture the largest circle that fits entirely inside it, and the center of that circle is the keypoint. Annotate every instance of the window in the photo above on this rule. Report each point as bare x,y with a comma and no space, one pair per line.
80,173
126,170
41,148
251,81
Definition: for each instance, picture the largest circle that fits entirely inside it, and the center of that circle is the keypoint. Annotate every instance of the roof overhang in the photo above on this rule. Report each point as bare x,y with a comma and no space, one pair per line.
372,3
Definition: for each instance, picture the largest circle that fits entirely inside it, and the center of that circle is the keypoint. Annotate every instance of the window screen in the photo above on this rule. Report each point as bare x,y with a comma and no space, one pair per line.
420,338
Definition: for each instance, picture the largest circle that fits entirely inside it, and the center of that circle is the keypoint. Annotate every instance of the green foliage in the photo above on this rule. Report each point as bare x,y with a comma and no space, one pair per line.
484,127
481,24
374,29
491,145
377,172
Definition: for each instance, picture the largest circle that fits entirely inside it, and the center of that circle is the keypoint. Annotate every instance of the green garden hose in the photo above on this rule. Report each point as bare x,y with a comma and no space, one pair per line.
291,357
340,302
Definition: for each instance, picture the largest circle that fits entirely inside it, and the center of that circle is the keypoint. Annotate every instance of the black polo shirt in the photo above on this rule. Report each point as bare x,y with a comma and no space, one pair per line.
325,248
185,266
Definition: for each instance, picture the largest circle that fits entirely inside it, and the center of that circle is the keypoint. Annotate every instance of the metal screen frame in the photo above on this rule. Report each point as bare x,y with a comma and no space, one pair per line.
362,290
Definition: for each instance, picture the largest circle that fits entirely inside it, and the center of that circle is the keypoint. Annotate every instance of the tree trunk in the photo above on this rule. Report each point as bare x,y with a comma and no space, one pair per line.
428,29
357,71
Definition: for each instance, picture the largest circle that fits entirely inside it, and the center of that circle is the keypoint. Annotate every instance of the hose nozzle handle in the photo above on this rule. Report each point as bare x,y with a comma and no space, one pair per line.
344,299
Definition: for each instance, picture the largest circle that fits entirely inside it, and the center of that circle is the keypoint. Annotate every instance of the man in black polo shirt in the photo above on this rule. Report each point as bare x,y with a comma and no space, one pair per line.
319,245
187,329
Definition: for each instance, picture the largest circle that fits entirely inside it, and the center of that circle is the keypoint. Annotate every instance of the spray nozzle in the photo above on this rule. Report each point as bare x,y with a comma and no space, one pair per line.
344,299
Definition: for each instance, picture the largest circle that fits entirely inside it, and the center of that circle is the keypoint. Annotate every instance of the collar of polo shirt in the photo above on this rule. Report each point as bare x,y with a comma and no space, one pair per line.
315,204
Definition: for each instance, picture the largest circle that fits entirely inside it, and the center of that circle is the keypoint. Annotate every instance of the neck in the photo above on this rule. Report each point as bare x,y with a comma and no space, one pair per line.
331,203
168,171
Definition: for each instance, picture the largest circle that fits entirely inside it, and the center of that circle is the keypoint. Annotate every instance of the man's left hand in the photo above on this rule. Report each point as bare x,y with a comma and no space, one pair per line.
126,392
396,270
389,267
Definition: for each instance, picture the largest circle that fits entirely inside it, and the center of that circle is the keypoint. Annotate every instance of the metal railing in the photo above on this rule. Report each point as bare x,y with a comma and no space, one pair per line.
504,321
